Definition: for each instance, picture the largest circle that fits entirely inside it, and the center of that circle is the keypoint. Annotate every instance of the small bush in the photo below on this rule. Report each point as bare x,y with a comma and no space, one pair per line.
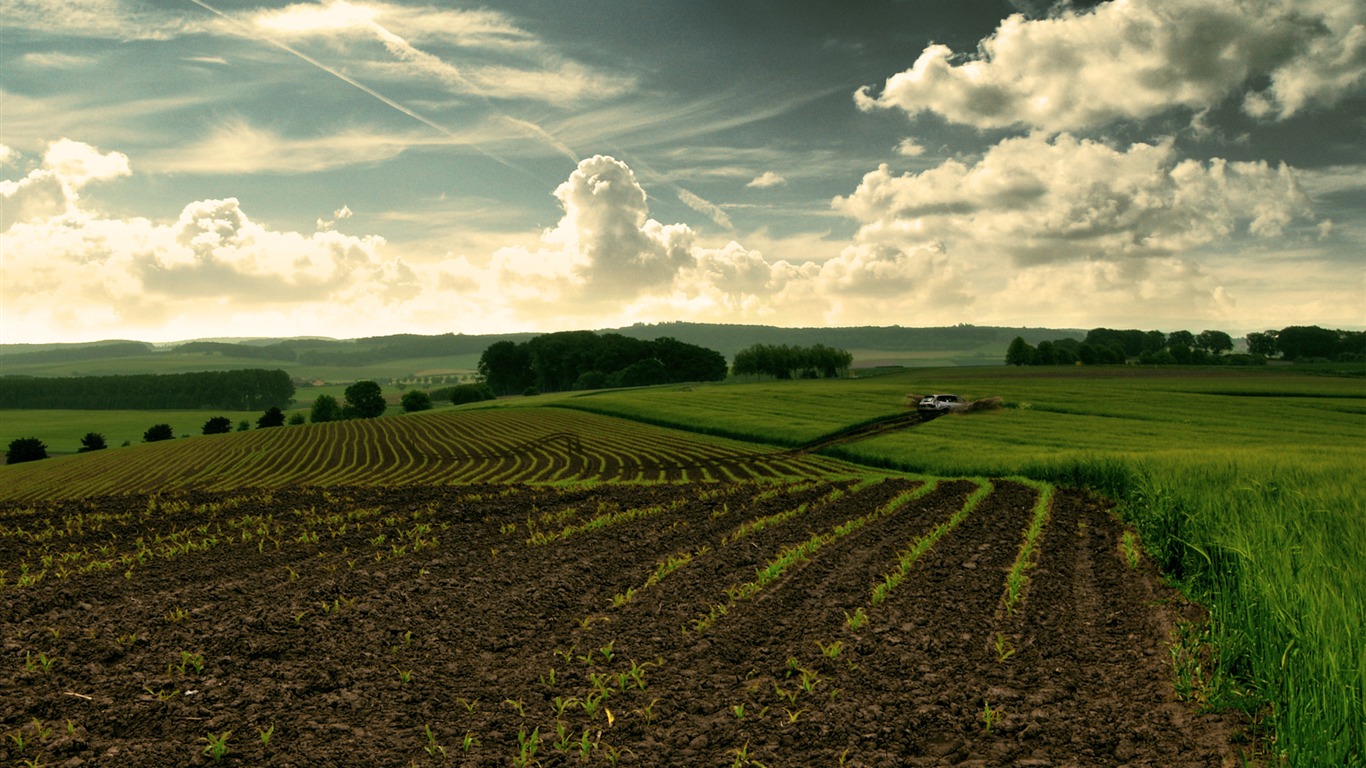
93,441
470,393
25,449
158,432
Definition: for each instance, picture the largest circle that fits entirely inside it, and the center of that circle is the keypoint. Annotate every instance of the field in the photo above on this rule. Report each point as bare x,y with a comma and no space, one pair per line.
483,585
787,621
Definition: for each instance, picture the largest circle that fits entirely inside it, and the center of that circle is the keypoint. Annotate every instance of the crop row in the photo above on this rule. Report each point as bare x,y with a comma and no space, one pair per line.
453,447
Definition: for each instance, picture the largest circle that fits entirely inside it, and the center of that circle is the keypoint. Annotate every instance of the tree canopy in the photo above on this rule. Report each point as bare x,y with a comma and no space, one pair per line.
218,425
25,449
787,362
158,432
556,362
364,400
242,390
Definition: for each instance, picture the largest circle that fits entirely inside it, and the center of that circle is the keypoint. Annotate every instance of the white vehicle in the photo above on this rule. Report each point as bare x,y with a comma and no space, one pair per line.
943,402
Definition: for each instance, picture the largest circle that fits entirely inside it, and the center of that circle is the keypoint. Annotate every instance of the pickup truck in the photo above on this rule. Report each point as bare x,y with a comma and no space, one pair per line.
943,402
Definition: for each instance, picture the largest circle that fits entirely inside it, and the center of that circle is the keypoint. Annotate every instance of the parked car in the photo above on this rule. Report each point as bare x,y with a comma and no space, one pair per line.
944,402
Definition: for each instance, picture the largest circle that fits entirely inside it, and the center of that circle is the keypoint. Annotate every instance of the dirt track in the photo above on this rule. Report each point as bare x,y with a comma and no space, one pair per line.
316,637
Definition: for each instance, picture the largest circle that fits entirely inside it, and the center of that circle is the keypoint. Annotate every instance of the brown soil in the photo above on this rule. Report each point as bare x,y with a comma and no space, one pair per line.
454,651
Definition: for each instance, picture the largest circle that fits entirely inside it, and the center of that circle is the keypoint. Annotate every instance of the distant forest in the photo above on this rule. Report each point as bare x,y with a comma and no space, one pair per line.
1109,346
245,390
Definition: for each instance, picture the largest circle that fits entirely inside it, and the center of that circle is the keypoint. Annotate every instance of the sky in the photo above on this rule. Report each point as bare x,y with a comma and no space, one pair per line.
178,169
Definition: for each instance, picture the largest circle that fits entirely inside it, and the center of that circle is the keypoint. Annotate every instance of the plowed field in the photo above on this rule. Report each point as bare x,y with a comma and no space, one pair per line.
703,624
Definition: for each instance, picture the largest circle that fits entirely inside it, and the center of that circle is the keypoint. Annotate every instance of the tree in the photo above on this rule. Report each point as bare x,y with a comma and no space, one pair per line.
506,367
218,425
471,393
25,449
93,441
1181,339
1263,344
1301,341
296,418
1019,352
243,425
273,417
416,400
158,432
325,408
1214,342
364,400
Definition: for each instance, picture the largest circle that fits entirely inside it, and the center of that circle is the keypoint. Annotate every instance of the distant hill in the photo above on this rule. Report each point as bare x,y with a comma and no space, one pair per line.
406,355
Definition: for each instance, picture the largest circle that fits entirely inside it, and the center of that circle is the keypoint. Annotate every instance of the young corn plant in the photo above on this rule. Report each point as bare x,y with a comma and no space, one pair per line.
990,717
217,745
265,734
527,745
433,747
1003,648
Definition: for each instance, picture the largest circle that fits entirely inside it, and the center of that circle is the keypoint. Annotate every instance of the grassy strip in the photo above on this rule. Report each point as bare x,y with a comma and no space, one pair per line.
799,553
907,557
1027,557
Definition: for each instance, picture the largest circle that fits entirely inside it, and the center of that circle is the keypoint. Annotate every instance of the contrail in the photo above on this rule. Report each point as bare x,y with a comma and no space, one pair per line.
362,87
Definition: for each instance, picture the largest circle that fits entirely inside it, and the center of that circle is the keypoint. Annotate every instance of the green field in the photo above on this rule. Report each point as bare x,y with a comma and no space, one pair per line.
1246,486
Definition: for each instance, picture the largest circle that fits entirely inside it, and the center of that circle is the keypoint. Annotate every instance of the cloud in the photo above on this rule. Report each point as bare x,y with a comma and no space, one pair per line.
75,269
97,19
236,146
54,188
503,61
1126,60
766,180
1034,200
909,148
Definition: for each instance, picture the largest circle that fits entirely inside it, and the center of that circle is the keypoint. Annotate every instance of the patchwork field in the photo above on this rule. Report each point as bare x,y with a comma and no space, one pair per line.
788,622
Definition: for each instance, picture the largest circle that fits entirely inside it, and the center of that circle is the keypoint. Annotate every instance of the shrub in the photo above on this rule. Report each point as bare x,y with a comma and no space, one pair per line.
273,417
158,432
471,393
416,400
218,425
25,449
93,441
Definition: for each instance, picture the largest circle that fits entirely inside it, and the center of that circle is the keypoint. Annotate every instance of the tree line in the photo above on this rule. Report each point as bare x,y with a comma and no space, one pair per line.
1107,346
241,390
787,362
555,362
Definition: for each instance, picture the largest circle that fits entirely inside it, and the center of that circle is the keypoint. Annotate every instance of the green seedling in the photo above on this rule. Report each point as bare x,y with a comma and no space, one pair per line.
217,745
1128,545
18,738
562,703
606,650
40,663
792,715
264,734
990,717
1003,648
469,742
527,745
516,705
648,712
188,661
404,675
832,650
562,741
739,710
433,748
548,679
176,615
585,746
469,704
857,620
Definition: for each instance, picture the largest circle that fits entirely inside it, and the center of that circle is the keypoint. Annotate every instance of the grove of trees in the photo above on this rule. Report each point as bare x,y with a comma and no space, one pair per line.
242,390
786,362
325,408
556,362
416,400
1209,347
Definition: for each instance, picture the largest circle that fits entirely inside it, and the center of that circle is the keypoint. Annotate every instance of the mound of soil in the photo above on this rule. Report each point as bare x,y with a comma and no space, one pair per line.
422,627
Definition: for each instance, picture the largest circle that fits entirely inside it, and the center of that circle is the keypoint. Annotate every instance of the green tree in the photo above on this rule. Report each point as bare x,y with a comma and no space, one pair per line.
296,418
506,367
325,408
364,400
158,432
471,393
243,425
416,400
1214,342
218,425
25,449
1019,352
1302,341
1263,344
273,417
93,441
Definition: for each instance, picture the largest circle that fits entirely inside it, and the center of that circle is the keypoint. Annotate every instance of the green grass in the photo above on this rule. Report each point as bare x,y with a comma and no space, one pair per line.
62,431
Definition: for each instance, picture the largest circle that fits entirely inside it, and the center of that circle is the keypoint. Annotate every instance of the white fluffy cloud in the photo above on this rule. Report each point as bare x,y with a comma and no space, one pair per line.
70,267
1038,200
1127,59
766,180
